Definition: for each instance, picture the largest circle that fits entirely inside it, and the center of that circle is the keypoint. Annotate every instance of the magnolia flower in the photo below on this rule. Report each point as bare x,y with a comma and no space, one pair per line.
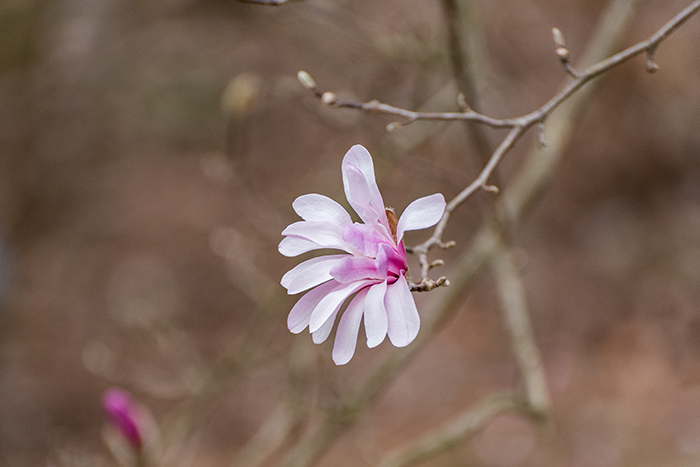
124,415
373,266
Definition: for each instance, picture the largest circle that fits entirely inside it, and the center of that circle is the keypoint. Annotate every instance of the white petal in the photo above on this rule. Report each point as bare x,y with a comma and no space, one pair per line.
361,187
323,234
310,273
360,157
317,232
321,334
421,214
292,246
375,315
348,327
315,207
332,302
298,318
402,314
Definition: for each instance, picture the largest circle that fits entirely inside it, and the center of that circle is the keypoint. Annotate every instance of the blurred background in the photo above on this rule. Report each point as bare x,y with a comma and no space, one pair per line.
149,154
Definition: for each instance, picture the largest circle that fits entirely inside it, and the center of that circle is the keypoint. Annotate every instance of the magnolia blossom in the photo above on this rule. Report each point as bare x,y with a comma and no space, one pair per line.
124,415
373,266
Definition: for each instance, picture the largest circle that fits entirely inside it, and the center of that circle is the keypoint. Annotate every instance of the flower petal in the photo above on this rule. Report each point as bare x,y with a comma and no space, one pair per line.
310,273
364,239
404,321
375,315
300,314
332,302
421,214
361,187
319,208
354,268
348,328
324,234
292,246
390,262
320,335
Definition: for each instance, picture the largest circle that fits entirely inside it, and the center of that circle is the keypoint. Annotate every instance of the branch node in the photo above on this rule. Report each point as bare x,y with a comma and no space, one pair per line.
372,105
540,135
651,65
462,101
447,245
563,54
307,81
329,98
436,263
491,188
396,125
558,37
426,285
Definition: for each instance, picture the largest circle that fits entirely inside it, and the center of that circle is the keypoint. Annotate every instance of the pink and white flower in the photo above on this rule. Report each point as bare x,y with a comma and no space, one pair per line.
373,266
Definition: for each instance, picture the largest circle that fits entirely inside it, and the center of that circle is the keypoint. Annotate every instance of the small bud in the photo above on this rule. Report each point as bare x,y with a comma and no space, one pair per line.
123,414
329,98
393,126
651,66
563,54
241,95
540,135
306,80
558,37
462,101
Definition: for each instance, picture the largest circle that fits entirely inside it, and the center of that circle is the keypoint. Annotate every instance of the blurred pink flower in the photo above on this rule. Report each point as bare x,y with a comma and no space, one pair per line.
124,415
373,266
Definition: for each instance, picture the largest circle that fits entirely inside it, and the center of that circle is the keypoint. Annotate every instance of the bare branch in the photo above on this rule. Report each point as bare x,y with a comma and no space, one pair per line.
537,116
514,305
456,431
468,59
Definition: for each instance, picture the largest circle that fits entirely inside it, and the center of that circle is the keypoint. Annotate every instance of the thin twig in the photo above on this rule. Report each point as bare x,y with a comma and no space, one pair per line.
526,121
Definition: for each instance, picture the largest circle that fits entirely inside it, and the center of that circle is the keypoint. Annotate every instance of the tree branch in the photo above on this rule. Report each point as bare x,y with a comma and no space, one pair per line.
456,431
517,125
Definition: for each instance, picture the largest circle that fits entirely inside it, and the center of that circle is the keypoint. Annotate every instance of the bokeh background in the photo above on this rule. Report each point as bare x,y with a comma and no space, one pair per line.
149,154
